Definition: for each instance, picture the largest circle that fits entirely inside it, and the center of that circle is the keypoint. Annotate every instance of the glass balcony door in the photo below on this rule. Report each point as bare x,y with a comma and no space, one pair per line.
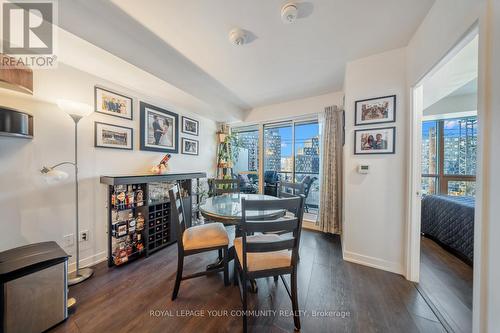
292,153
246,165
278,155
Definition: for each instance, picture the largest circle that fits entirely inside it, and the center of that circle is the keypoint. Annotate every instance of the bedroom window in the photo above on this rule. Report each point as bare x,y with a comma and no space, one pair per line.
449,156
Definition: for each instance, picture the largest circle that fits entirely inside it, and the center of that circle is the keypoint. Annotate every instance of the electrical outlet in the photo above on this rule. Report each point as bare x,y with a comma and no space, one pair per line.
68,240
84,236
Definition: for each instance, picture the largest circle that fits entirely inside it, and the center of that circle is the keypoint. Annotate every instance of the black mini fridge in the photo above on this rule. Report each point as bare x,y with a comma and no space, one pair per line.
33,288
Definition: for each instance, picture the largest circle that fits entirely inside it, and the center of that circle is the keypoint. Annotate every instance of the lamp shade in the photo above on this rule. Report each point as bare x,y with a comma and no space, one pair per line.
74,109
55,176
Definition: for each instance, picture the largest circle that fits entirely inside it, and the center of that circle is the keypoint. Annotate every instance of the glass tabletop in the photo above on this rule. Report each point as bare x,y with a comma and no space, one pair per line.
227,207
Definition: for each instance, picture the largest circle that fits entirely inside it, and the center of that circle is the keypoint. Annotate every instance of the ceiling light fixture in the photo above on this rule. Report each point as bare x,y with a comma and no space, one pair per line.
289,12
237,37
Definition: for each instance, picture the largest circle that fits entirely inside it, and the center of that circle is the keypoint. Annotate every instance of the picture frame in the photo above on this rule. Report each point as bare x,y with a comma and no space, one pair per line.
378,110
159,129
190,146
113,136
113,104
375,141
190,126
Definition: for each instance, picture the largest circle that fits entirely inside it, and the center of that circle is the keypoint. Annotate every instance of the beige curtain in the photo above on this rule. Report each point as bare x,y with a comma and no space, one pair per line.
330,206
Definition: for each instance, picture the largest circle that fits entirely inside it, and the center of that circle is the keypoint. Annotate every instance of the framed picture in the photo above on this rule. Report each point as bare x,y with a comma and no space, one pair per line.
375,110
112,103
159,129
375,141
112,136
190,126
190,146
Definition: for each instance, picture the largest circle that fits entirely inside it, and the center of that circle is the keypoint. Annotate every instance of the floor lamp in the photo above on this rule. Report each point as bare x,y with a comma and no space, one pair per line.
76,111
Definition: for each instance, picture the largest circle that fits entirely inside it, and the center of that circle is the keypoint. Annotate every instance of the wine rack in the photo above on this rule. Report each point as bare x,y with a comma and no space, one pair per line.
159,234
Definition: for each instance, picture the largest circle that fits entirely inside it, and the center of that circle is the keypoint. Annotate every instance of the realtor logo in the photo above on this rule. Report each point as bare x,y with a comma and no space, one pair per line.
28,33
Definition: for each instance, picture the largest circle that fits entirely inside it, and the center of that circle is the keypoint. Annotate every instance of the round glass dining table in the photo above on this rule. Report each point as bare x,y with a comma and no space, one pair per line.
226,208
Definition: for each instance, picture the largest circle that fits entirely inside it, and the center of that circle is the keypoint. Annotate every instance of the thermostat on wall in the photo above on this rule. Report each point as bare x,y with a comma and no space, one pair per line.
363,169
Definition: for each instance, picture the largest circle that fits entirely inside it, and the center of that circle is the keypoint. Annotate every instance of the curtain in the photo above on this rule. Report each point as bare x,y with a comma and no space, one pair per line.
330,206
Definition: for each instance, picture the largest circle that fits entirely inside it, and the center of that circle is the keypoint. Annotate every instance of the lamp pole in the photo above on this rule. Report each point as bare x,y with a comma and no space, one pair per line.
78,275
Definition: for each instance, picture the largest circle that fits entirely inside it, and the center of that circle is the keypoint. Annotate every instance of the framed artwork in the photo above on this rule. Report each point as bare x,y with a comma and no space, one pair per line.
159,129
113,136
190,126
190,146
375,141
375,110
112,103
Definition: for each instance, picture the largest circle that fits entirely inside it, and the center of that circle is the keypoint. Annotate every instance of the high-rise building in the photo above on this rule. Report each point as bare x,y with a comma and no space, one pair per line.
272,150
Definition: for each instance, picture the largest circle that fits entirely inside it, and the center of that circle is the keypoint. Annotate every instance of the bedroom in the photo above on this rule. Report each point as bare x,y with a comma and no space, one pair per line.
449,130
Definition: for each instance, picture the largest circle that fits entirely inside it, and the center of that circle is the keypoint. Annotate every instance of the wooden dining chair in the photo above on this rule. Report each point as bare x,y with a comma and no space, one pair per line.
261,255
223,186
198,239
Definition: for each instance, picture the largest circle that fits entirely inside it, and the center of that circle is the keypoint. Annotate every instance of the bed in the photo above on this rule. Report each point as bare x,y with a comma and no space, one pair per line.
449,220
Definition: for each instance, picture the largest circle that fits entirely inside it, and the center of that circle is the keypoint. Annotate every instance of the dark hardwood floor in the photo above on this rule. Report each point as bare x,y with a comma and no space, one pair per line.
336,296
446,282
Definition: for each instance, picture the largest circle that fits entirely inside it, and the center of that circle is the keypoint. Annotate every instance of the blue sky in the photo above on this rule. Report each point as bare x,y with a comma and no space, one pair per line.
302,133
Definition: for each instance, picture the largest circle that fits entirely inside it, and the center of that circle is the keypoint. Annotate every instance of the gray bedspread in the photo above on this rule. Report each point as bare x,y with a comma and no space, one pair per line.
450,221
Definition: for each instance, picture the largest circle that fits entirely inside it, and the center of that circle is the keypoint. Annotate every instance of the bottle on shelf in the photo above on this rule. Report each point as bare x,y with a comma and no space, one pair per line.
139,222
130,196
139,197
139,245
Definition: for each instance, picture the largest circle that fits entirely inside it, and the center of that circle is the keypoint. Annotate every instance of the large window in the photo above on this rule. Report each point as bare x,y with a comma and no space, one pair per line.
291,153
449,156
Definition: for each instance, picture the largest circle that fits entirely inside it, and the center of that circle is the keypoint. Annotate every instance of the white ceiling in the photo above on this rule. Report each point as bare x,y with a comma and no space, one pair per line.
186,42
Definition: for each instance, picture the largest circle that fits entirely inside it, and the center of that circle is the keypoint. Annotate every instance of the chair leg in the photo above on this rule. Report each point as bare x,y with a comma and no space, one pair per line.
276,277
180,264
295,301
245,319
226,267
235,273
220,254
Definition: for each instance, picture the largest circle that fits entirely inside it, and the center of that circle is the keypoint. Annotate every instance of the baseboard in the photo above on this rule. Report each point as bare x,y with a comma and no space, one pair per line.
89,261
378,263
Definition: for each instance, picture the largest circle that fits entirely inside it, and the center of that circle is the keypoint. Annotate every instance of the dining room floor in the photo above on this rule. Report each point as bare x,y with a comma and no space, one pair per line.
334,296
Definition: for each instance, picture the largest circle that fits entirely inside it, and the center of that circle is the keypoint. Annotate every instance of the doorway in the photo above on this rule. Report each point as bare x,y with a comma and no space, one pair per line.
443,177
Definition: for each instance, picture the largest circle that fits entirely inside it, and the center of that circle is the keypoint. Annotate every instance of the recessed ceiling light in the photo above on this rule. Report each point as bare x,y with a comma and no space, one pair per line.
237,37
289,12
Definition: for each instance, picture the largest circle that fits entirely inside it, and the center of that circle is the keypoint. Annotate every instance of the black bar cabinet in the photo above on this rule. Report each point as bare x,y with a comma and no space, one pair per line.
138,208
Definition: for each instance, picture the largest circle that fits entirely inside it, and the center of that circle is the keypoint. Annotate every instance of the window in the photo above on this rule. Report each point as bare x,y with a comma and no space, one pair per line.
291,153
449,156
246,165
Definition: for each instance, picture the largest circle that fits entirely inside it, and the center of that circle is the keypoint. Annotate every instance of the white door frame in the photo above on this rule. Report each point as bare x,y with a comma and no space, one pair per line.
414,160
415,181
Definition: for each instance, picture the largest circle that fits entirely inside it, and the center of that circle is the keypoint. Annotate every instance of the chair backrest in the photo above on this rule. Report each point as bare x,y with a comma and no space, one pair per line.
290,223
270,177
308,181
222,186
288,189
177,213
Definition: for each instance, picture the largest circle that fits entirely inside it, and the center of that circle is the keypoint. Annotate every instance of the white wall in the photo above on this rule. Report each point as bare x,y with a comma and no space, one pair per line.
295,108
446,22
374,204
442,28
33,211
